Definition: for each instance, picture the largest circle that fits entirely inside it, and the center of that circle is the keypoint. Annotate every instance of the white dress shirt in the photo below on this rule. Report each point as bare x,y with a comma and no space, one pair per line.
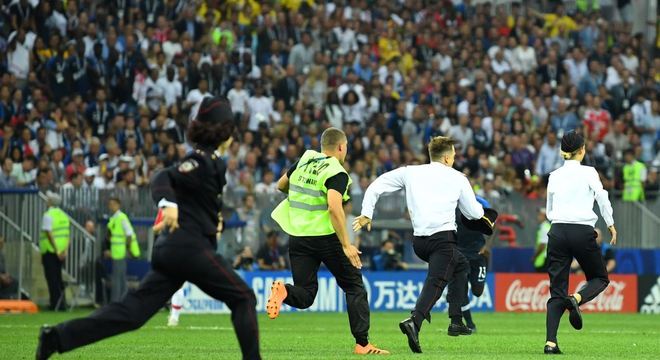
432,193
572,190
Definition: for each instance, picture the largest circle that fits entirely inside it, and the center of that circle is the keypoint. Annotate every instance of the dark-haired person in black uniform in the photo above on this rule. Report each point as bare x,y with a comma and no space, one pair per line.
572,190
190,197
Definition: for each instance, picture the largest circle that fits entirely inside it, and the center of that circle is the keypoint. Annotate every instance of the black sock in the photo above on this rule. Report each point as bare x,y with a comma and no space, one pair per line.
362,341
457,320
467,315
417,320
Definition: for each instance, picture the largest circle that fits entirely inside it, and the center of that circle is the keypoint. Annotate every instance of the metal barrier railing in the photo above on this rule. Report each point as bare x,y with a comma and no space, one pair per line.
637,225
25,209
18,251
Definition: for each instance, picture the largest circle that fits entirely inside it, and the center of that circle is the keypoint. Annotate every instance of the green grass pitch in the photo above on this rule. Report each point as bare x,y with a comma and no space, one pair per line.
327,336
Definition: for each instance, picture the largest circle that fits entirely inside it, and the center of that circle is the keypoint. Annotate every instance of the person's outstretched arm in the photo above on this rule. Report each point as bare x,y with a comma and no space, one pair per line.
387,183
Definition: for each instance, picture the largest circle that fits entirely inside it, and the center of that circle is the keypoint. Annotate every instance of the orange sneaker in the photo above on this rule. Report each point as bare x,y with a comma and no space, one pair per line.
277,295
370,349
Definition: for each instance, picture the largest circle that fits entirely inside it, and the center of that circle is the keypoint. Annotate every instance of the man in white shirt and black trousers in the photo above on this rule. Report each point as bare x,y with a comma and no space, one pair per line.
572,190
432,193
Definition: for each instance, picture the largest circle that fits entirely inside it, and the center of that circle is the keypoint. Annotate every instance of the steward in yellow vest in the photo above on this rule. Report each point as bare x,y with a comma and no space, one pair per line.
313,216
634,176
53,243
122,236
122,240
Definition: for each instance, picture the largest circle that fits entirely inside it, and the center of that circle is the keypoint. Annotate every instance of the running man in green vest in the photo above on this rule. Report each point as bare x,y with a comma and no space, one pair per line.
634,177
53,243
540,253
313,216
122,241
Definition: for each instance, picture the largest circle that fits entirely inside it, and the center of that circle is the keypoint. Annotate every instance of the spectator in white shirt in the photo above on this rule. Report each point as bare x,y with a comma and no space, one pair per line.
172,47
267,185
346,37
195,97
350,84
238,99
260,109
353,108
18,57
524,57
500,64
443,59
500,46
629,60
171,87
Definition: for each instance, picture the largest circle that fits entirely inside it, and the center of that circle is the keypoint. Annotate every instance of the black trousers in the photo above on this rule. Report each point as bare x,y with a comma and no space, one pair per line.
306,255
53,272
446,263
565,242
185,257
477,272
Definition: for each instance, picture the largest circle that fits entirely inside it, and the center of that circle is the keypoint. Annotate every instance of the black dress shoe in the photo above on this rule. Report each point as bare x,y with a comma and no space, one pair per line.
47,345
408,327
551,350
574,314
458,329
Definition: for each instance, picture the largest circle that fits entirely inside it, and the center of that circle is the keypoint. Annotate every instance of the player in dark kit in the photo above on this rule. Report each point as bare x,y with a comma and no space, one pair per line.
472,244
192,190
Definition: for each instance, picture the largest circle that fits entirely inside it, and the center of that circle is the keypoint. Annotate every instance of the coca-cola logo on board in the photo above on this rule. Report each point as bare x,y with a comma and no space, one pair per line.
530,293
527,298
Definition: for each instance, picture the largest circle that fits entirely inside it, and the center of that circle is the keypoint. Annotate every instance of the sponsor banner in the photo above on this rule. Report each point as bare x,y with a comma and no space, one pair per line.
530,293
387,291
649,294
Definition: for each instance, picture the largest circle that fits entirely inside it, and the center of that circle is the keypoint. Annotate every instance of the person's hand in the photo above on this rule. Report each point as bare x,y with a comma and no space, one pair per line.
62,255
612,230
220,224
106,254
5,279
170,220
360,222
353,255
485,251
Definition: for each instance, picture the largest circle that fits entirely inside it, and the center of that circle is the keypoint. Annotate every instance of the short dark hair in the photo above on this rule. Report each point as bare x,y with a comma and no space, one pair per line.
332,137
115,199
439,146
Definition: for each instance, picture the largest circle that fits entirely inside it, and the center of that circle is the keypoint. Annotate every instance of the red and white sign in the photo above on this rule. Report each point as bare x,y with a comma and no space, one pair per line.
530,293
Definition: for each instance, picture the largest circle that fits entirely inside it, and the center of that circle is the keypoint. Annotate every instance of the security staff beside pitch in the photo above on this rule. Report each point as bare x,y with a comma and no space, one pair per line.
190,196
572,190
313,216
432,193
122,242
53,243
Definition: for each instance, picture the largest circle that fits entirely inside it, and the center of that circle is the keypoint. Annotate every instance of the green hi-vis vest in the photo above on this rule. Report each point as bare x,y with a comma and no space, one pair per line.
60,231
542,232
118,237
305,211
633,189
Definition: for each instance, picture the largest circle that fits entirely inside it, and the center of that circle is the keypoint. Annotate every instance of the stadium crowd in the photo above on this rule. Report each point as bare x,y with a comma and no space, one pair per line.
97,94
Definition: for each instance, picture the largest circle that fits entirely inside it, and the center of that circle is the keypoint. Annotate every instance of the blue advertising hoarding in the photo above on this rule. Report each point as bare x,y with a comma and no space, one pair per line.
387,291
